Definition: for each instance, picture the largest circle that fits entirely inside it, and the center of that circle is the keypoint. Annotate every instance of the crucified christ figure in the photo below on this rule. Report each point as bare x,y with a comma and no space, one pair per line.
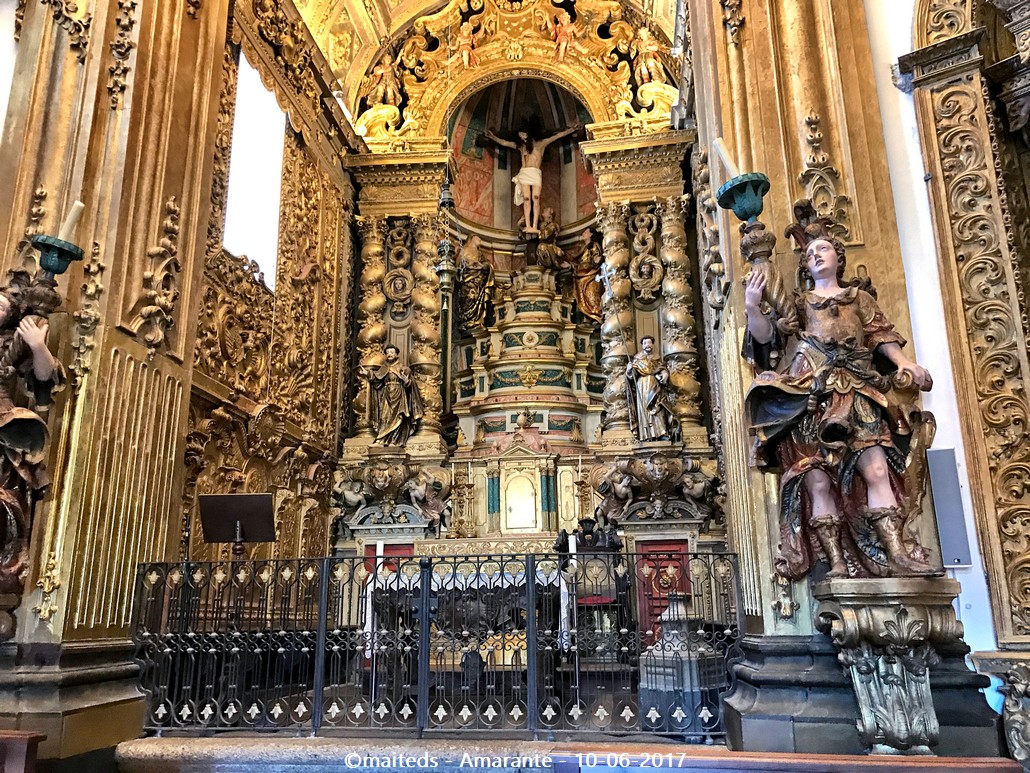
529,179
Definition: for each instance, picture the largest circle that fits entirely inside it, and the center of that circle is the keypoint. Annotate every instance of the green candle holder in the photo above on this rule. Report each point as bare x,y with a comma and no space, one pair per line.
55,255
744,194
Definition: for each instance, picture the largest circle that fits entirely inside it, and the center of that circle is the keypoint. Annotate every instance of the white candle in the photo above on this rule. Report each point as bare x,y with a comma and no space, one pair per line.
67,233
470,471
581,465
724,156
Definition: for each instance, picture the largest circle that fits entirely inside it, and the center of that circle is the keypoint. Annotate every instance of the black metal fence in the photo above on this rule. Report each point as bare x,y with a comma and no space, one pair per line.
533,644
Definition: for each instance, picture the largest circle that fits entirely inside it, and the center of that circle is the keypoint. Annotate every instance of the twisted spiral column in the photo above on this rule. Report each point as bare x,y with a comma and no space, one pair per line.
424,358
677,317
617,313
372,307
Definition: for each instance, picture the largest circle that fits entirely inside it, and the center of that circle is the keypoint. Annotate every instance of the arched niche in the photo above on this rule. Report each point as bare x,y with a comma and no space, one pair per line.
482,184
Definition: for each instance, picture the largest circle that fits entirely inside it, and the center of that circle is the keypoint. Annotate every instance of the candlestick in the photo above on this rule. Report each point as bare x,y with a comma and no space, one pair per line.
67,233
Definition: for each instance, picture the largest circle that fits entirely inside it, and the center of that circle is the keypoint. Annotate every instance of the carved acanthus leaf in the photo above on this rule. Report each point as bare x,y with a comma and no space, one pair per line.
156,303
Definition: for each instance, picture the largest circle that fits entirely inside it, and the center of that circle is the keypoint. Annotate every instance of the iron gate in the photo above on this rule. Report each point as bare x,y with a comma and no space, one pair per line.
533,644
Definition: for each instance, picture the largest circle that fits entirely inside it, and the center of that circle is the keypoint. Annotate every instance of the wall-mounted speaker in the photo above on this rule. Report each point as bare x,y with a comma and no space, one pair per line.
947,502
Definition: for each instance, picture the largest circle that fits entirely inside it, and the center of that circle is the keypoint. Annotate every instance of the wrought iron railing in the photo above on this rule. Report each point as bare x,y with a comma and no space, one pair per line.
534,644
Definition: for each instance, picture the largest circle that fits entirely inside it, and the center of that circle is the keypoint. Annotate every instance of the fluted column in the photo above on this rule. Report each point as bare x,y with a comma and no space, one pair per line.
424,357
617,321
678,341
372,307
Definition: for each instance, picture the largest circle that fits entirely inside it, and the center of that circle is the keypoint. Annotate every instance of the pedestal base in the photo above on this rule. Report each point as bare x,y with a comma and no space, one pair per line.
82,697
792,695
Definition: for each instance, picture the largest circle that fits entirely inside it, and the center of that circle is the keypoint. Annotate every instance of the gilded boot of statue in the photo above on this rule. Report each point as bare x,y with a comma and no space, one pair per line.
827,532
903,559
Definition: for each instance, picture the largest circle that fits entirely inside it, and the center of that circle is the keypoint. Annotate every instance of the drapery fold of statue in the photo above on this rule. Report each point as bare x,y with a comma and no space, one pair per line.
548,253
475,281
529,181
647,387
29,376
588,291
394,404
839,420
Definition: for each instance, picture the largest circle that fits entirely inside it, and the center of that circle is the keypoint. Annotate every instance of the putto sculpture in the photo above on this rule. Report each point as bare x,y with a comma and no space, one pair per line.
838,420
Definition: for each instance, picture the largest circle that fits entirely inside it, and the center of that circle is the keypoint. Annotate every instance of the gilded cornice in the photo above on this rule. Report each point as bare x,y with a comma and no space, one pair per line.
944,59
394,184
634,168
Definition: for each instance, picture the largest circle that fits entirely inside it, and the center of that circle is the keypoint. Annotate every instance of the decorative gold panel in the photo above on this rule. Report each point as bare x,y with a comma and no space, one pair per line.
982,296
132,484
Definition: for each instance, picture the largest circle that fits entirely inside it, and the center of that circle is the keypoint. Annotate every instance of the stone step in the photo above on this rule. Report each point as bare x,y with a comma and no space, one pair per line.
250,754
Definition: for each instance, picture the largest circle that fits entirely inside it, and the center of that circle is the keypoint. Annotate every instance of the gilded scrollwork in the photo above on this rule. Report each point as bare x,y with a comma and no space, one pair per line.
222,150
235,325
66,15
992,322
121,48
156,303
87,316
231,452
645,270
302,352
945,19
822,181
715,286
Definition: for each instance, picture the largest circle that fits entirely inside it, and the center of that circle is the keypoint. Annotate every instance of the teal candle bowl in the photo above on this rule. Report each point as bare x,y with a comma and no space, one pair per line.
744,194
55,255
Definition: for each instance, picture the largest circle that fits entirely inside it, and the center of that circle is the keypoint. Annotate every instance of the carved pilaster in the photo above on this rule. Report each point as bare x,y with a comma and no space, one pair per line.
372,307
424,356
981,286
617,321
677,315
889,633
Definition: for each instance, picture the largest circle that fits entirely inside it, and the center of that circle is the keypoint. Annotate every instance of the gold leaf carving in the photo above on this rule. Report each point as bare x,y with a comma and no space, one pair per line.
121,49
992,324
160,283
87,316
65,13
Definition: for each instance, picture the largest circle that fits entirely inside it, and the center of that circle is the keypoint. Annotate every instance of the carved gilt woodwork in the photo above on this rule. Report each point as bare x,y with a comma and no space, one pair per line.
974,214
413,84
233,452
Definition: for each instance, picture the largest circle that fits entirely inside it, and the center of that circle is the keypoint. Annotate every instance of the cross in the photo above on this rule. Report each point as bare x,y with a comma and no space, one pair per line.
605,275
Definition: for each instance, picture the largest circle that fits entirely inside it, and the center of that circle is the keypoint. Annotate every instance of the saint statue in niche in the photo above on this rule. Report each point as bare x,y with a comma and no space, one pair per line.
529,180
647,387
394,404
589,292
840,422
548,253
475,281
29,375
